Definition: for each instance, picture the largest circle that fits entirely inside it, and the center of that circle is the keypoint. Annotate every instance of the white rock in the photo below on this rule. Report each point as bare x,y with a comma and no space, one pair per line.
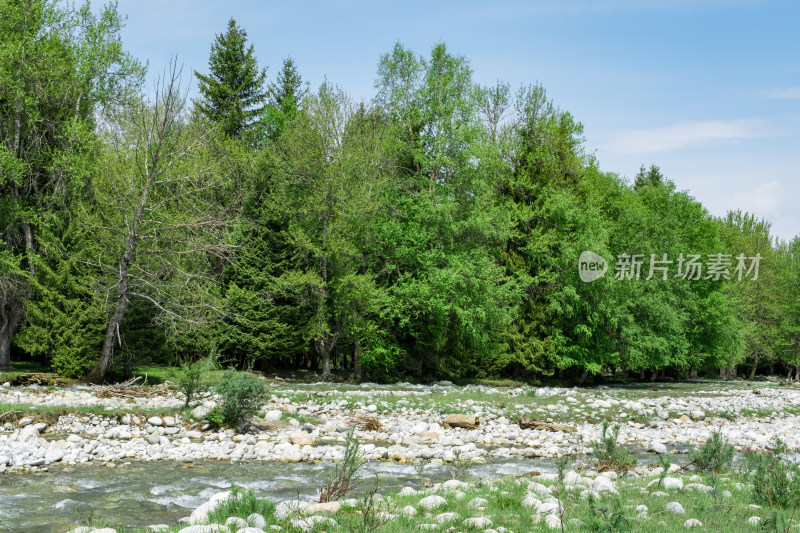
28,433
478,521
477,502
309,522
754,520
257,521
675,507
407,491
603,484
155,421
692,522
408,510
673,483
289,508
273,415
432,502
699,486
553,521
656,447
454,484
53,456
301,438
446,517
328,507
531,501
547,508
235,521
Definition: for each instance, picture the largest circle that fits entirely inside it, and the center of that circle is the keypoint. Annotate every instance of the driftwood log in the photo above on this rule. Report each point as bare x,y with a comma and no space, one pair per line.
461,421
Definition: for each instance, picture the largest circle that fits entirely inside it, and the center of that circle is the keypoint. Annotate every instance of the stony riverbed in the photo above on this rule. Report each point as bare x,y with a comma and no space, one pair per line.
305,424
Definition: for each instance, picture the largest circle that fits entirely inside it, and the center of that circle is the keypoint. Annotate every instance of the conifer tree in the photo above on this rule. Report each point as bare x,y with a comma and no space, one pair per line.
233,92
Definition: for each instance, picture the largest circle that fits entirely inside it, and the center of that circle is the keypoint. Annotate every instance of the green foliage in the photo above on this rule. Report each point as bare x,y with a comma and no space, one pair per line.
774,477
233,92
190,380
215,416
608,454
241,395
432,232
715,455
606,516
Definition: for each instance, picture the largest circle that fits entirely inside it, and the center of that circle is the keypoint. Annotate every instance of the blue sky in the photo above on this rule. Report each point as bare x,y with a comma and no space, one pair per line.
709,90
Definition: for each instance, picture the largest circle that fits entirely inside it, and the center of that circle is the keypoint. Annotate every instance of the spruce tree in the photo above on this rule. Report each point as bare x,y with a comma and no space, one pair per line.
233,92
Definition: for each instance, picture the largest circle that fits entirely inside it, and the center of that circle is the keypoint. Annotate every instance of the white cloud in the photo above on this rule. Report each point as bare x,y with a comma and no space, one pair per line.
688,135
763,200
788,93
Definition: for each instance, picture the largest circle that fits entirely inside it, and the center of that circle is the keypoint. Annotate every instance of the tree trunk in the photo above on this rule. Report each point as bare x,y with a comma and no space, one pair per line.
693,373
112,331
797,373
755,367
10,320
582,376
325,354
358,371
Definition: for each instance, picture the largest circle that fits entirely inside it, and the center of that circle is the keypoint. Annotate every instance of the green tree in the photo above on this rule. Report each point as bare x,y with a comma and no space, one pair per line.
330,166
233,92
756,301
285,96
451,297
58,67
166,224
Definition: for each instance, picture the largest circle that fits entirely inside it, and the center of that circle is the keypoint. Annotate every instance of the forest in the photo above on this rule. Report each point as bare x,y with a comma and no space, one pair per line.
431,232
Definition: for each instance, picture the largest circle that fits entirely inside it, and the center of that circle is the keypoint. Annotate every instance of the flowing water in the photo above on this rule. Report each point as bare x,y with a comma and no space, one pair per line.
144,493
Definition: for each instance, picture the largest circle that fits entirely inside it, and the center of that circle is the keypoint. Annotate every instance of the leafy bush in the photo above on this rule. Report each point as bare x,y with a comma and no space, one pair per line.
715,456
774,478
608,453
215,417
240,395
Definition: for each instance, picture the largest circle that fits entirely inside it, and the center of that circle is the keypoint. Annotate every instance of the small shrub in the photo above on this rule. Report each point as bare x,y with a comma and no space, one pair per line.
241,504
342,479
606,517
459,465
190,380
715,456
608,453
774,478
241,396
665,462
215,417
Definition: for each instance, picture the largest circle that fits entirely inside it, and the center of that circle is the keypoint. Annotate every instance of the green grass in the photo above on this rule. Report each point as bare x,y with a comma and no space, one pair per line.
504,508
49,414
157,375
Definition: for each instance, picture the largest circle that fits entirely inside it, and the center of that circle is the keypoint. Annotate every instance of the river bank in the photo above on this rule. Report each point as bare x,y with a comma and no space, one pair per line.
63,432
